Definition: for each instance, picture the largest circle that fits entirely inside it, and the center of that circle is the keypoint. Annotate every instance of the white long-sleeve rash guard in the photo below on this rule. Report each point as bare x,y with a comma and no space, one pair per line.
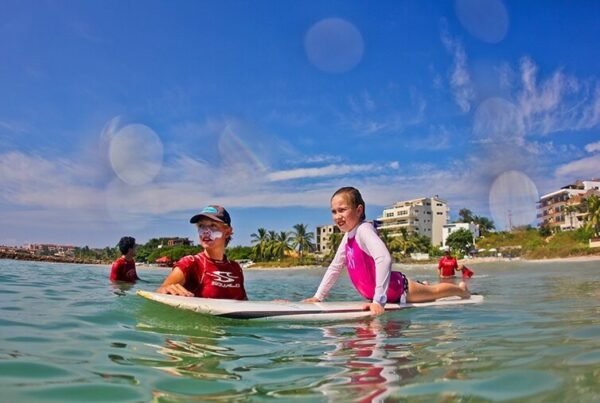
368,240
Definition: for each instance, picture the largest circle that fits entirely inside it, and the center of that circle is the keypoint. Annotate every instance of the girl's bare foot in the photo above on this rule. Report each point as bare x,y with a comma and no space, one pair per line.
466,293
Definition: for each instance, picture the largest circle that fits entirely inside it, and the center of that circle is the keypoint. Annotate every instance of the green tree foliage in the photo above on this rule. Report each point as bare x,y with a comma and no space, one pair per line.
174,252
275,246
485,224
403,243
105,255
260,240
545,231
333,243
302,240
465,215
239,252
281,244
591,206
461,240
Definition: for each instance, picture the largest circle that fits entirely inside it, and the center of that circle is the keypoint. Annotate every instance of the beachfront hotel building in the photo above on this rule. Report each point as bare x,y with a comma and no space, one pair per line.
424,216
558,210
323,234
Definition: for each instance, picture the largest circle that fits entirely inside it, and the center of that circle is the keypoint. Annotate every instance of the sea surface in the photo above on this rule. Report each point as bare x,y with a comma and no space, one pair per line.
68,335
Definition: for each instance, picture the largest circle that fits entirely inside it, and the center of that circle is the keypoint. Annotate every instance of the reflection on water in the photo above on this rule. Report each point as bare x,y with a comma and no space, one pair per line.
372,359
67,334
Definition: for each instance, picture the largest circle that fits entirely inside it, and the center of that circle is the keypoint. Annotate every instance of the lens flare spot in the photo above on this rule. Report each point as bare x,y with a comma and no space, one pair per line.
136,154
334,45
234,151
513,198
486,20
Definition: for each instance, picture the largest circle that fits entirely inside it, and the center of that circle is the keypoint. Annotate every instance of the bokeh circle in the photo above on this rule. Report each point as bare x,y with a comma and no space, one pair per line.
334,45
136,154
486,20
513,197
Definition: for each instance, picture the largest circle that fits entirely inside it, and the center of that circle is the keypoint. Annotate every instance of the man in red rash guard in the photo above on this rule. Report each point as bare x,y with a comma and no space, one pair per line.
123,269
209,274
447,265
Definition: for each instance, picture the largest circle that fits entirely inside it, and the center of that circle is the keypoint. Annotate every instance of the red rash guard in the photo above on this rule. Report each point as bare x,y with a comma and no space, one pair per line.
208,278
447,265
123,270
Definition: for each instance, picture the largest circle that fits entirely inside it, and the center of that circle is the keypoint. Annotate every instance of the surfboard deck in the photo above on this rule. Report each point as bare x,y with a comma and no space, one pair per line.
288,311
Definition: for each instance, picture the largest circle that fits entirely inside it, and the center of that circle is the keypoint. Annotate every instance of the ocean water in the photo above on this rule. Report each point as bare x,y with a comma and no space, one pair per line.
67,334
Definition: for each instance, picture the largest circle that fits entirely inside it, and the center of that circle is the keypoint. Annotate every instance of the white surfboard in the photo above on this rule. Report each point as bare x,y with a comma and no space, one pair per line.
288,311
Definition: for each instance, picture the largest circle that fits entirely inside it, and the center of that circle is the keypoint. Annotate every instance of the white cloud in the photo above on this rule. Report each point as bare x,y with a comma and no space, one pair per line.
585,168
38,182
329,170
557,104
460,79
59,194
319,159
370,115
593,147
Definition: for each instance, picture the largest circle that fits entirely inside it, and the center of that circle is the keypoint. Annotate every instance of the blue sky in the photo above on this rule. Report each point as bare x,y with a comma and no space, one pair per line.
126,118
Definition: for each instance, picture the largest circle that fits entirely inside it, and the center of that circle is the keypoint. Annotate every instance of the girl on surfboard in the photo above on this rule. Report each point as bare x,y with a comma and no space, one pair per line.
369,262
209,274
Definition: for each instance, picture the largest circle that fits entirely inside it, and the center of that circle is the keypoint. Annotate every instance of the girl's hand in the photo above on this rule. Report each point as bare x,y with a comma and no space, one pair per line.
175,289
376,309
312,299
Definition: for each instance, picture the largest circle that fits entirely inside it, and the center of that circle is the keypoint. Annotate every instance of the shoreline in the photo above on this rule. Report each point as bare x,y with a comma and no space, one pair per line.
466,262
257,267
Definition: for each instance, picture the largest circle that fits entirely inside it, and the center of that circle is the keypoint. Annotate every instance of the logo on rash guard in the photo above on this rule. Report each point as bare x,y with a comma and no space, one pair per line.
350,259
223,276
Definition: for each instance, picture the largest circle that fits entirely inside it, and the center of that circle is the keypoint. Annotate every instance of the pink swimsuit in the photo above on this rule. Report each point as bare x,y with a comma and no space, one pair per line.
369,267
361,270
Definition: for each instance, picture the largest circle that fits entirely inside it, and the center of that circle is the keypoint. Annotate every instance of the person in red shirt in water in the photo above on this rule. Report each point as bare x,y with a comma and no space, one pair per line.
448,265
123,269
209,274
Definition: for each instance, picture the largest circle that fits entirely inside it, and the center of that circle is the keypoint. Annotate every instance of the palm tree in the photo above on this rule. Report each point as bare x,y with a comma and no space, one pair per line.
333,243
593,214
271,245
281,244
570,209
384,234
405,243
260,238
302,240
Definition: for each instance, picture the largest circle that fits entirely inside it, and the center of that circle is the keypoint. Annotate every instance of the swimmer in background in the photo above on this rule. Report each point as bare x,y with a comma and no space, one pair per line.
123,269
448,265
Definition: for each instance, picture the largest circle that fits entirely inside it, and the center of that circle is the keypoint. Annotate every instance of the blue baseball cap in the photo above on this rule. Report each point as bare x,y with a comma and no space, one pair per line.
213,212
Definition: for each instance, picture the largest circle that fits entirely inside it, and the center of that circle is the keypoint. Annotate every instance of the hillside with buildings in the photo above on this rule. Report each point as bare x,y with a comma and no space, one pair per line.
417,229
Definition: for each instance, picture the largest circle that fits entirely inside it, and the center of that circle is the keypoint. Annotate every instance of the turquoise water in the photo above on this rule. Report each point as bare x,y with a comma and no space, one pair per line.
66,334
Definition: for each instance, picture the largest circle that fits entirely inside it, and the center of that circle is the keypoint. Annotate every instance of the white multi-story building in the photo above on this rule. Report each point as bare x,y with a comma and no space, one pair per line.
424,216
447,229
323,234
553,208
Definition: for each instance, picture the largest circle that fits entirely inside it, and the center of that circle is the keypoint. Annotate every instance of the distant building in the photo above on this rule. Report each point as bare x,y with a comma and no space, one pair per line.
174,241
559,209
323,234
424,216
50,249
448,229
